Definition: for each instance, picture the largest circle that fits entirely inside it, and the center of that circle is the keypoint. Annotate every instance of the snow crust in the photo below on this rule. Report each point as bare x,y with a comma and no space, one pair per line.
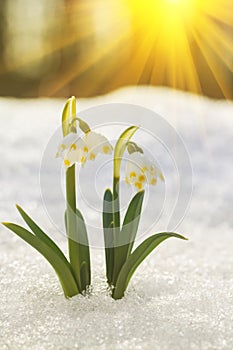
182,295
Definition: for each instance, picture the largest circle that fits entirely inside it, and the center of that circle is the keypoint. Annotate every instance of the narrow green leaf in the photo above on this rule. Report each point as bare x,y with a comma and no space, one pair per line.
80,242
84,251
41,234
85,276
126,236
135,259
131,222
108,234
62,270
66,223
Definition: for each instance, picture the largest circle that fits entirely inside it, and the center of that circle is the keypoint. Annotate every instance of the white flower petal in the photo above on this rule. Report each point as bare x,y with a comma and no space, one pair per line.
97,143
66,142
140,171
73,149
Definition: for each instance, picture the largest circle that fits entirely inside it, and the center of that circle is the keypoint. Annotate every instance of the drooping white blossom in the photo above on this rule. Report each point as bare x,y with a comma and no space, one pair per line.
96,144
65,144
74,149
141,171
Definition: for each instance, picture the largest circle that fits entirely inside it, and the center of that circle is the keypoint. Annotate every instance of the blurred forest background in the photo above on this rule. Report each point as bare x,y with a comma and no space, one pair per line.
90,47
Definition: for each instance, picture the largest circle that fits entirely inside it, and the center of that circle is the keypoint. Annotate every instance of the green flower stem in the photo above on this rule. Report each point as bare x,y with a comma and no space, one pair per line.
120,147
116,227
116,203
108,234
73,245
69,118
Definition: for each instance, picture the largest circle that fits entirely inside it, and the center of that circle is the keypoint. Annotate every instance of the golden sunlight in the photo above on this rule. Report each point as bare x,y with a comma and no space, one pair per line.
172,32
101,45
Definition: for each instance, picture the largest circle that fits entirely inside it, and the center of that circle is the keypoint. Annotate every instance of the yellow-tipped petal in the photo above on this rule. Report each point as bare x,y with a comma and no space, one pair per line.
92,156
127,181
138,185
132,174
82,160
66,162
144,169
153,181
141,178
161,177
106,149
73,147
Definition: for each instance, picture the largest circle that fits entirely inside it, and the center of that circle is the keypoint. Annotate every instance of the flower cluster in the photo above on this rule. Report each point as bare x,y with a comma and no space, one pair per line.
141,171
74,149
121,258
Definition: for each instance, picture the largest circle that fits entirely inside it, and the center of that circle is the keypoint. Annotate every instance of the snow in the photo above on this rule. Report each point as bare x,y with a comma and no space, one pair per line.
179,298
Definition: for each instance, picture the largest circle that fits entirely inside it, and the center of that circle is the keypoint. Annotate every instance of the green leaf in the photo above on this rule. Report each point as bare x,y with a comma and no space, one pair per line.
62,269
108,234
68,115
41,234
84,252
126,237
131,222
81,244
135,259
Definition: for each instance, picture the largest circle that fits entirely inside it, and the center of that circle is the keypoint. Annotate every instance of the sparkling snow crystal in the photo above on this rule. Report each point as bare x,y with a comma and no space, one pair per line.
182,295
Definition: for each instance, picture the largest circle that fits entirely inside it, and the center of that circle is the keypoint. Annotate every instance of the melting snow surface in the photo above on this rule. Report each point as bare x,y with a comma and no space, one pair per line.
181,297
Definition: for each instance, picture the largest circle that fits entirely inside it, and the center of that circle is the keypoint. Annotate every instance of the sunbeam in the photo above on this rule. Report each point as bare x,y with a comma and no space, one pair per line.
103,45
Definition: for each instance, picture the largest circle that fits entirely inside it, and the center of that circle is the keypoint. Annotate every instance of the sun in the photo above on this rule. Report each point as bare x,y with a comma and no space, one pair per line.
163,28
171,33
184,44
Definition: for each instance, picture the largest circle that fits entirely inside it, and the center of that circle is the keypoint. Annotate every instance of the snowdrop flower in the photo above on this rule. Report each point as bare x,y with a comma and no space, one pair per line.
65,144
96,143
74,149
140,171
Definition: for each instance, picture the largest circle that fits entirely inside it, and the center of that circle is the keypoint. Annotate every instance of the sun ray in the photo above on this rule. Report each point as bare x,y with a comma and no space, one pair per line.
189,71
220,10
108,80
134,69
83,32
91,59
163,33
178,57
215,40
214,67
35,56
122,42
